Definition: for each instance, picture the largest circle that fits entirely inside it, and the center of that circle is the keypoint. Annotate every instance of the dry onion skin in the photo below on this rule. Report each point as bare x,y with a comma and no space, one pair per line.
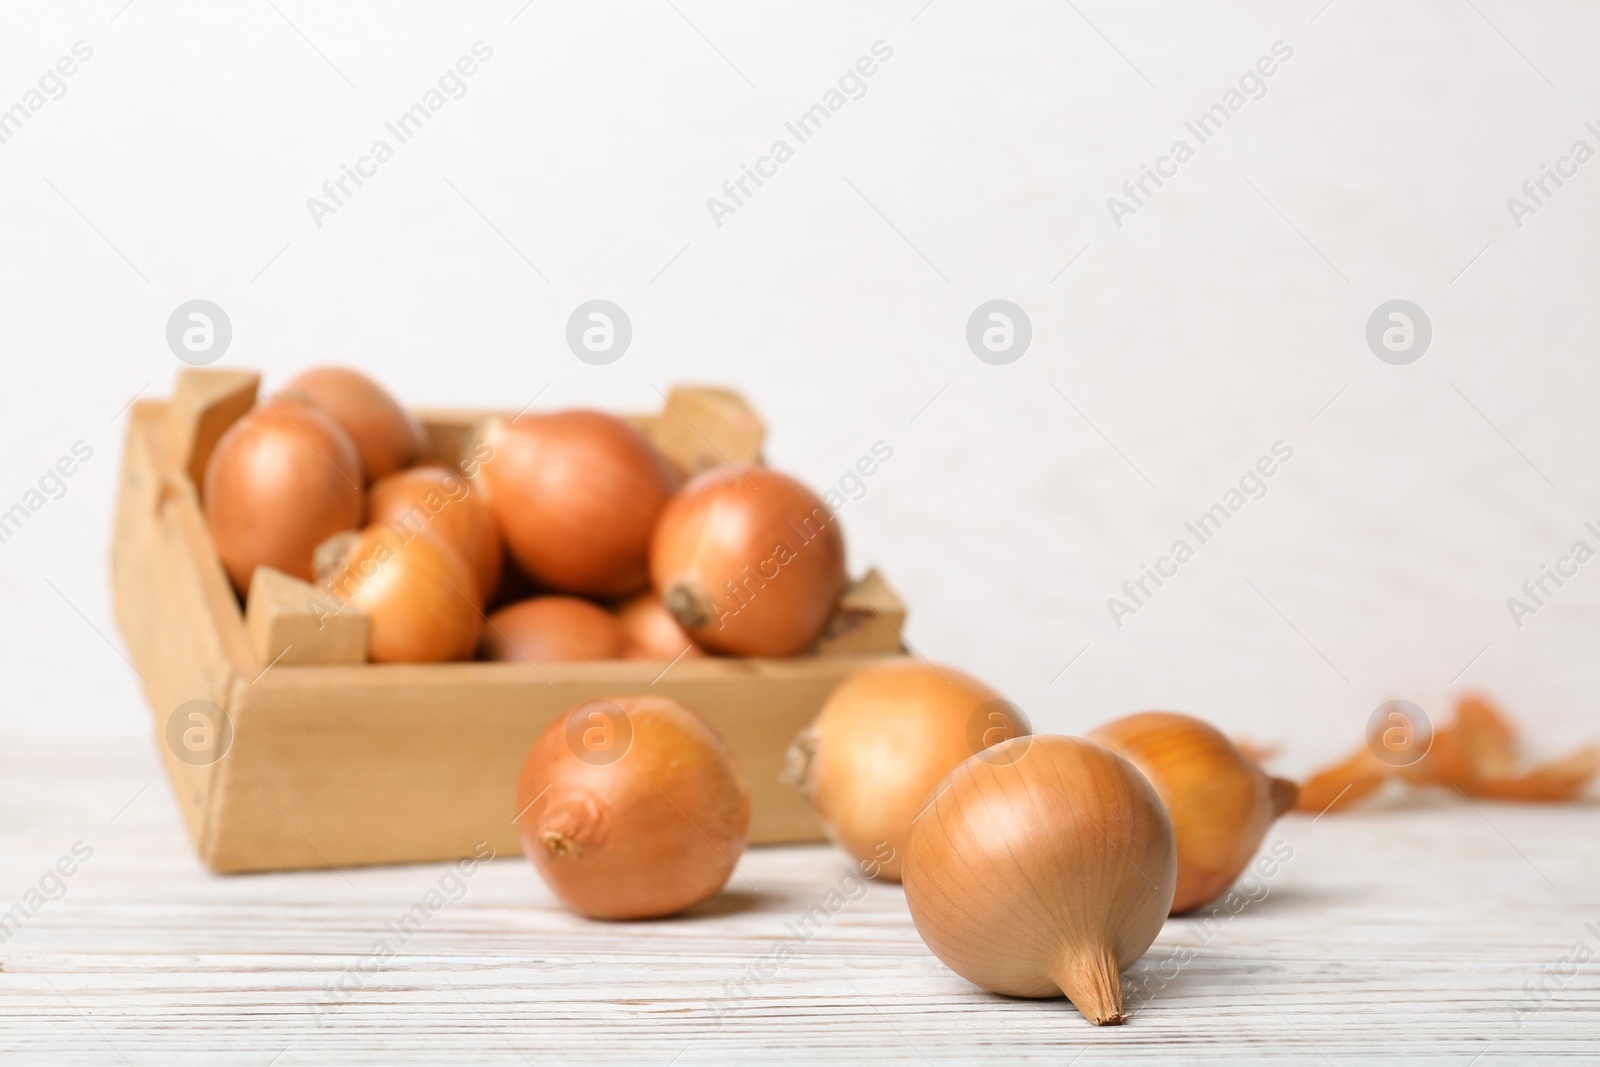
1481,755
1347,782
1219,800
577,494
749,561
1478,754
443,504
417,593
1043,865
632,807
386,436
882,742
653,633
281,480
553,629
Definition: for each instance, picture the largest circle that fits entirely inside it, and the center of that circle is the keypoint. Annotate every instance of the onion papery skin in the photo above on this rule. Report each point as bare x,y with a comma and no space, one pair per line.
443,504
280,481
418,595
653,633
1219,800
577,494
385,435
749,561
882,743
639,833
1043,865
553,629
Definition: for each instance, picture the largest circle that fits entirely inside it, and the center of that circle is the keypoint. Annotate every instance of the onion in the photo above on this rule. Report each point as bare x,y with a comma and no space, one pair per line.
384,434
417,593
280,480
632,808
1043,864
652,631
442,503
1219,800
577,494
553,629
749,561
882,742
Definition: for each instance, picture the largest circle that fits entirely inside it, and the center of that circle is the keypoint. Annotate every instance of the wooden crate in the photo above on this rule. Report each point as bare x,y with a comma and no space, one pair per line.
334,765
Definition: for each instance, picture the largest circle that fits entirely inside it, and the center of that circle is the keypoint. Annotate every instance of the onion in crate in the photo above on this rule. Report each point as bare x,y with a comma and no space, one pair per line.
652,631
577,494
553,629
444,504
385,435
749,562
420,598
281,480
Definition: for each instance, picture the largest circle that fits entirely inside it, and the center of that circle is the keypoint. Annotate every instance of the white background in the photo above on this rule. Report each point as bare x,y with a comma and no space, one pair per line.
1219,319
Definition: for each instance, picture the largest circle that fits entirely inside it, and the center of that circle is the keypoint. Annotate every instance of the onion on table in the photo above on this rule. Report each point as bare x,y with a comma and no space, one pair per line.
1220,801
632,807
882,742
1043,865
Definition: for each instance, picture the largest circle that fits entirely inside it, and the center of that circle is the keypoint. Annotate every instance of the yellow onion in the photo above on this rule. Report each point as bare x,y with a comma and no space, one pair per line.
884,739
577,494
281,480
553,629
384,434
1220,801
1043,865
749,562
631,807
652,631
441,503
419,597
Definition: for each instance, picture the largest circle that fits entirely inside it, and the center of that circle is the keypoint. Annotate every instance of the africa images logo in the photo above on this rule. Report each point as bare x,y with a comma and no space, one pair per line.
852,85
451,85
1252,85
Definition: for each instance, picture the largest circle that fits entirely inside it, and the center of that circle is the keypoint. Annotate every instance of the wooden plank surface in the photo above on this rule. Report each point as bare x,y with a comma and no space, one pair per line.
1403,935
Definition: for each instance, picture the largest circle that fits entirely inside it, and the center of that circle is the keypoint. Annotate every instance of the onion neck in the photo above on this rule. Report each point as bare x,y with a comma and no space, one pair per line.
689,604
800,762
574,824
329,557
1284,794
559,845
1091,980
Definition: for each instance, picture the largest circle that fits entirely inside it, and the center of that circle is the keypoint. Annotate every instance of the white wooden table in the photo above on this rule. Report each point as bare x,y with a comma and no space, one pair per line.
1400,934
